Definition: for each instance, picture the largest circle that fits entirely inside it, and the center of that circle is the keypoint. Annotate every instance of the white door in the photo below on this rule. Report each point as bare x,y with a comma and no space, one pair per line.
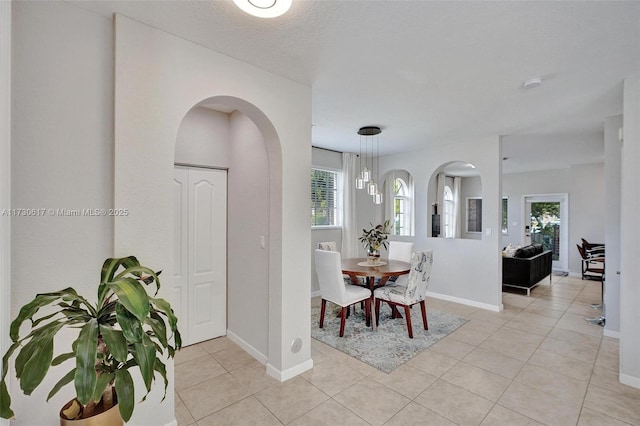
200,252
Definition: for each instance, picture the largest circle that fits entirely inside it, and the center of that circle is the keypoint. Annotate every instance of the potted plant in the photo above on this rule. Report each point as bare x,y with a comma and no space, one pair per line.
375,238
124,330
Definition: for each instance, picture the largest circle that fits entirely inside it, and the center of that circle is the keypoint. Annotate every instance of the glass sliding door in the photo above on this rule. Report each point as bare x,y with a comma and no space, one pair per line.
546,224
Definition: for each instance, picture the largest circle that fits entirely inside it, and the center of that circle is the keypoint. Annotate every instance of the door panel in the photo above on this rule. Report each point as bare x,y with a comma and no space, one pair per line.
202,270
180,248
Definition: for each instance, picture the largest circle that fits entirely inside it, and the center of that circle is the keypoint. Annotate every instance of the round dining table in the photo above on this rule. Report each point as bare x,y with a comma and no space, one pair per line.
359,267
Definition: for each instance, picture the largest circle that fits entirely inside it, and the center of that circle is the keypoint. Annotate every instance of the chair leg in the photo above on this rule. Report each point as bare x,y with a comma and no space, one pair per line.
322,309
423,307
367,311
343,319
407,313
378,302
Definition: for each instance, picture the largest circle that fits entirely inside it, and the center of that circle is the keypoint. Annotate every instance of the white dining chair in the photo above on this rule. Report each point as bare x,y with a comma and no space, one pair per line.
400,250
328,245
334,289
408,289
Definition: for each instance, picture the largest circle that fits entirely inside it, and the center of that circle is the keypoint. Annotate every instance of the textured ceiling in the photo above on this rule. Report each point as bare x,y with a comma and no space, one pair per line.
430,72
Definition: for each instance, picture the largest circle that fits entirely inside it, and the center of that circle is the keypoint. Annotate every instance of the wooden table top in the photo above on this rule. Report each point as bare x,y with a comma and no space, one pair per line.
392,268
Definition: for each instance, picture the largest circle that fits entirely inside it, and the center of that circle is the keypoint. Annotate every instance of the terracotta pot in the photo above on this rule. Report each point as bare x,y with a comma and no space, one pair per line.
111,417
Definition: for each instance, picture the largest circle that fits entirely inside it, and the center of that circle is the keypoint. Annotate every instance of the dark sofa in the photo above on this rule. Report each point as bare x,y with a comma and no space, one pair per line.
528,266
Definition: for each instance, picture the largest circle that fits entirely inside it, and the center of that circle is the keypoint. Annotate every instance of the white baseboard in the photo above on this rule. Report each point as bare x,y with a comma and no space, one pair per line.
315,293
575,274
611,333
494,308
628,380
290,372
262,358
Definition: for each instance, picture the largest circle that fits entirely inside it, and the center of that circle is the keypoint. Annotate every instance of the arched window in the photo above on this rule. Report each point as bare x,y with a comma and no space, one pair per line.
401,207
448,212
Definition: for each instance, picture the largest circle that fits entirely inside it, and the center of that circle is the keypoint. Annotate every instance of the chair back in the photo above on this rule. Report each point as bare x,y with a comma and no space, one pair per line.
328,245
329,271
418,281
399,250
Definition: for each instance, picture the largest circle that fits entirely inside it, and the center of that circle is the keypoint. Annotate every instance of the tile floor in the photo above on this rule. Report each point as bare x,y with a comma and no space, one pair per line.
537,362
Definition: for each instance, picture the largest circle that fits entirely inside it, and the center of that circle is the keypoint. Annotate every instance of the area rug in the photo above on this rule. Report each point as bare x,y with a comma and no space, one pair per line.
389,346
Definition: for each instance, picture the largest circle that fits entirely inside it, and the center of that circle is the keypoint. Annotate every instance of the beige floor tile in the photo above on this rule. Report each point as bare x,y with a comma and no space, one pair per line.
539,405
218,344
494,362
503,345
469,336
329,413
568,349
416,415
608,358
197,371
593,418
476,380
592,342
549,313
558,304
183,416
500,416
248,411
454,403
291,399
332,378
573,368
532,317
609,379
578,324
552,383
481,326
584,309
493,317
338,357
406,380
189,353
372,401
208,397
517,336
254,377
458,309
432,362
452,348
614,404
233,358
529,327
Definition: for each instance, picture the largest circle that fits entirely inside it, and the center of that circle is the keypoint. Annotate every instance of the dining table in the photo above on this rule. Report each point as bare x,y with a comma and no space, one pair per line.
384,269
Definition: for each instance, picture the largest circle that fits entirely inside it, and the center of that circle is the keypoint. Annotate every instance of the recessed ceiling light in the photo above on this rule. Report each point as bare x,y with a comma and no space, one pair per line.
264,8
532,82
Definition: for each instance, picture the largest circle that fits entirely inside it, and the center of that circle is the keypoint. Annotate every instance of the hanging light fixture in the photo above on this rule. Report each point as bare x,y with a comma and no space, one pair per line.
264,8
366,176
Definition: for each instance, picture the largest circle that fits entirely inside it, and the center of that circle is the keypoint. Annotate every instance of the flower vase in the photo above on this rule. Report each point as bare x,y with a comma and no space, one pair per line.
373,257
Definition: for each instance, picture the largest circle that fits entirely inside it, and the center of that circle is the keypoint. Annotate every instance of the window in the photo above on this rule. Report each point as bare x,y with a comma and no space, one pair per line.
474,214
505,215
326,198
401,208
448,212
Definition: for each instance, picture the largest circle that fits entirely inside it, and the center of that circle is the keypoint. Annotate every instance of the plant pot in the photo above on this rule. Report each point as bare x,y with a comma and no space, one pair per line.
110,417
374,257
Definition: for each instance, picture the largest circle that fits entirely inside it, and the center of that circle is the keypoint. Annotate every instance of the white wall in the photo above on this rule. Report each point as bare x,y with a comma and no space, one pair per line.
612,178
5,176
478,283
156,68
203,138
330,160
630,237
62,157
585,186
248,287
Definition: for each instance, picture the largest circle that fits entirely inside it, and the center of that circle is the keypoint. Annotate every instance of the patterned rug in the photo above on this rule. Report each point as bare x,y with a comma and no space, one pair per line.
389,346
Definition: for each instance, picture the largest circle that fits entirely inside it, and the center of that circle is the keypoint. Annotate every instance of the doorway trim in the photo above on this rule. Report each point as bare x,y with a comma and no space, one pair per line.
563,198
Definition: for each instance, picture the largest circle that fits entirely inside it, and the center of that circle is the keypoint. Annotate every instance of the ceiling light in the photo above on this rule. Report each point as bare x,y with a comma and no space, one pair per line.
264,8
532,82
366,177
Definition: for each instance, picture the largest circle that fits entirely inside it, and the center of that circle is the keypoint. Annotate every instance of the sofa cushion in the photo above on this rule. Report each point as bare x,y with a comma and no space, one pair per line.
525,252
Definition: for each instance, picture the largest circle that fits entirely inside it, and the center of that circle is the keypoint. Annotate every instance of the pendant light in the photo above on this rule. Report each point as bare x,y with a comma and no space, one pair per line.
366,178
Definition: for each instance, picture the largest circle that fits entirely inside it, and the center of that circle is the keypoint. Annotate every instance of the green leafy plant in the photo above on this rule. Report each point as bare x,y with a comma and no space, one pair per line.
376,237
125,329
